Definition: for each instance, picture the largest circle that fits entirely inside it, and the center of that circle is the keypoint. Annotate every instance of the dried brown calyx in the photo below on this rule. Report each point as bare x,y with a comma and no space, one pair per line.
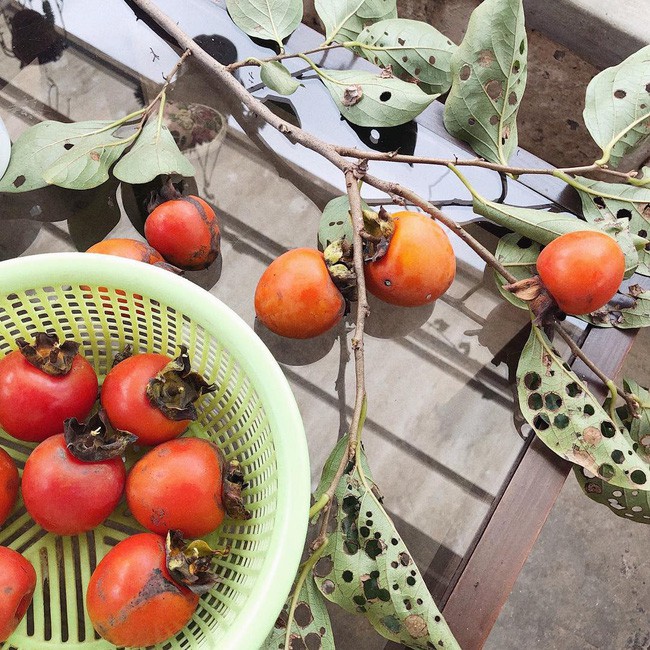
96,439
340,264
540,301
378,228
176,387
168,192
47,354
127,351
190,563
231,490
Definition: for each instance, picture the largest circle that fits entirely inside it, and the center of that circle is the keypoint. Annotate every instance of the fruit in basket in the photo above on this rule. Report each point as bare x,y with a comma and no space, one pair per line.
152,396
68,496
184,229
9,482
582,270
185,484
132,599
296,297
129,248
419,265
42,384
17,584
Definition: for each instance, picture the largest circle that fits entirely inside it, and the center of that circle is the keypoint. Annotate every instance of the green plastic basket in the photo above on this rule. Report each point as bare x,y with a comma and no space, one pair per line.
105,302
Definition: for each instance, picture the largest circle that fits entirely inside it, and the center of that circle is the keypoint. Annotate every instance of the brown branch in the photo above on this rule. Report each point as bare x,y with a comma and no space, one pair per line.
280,57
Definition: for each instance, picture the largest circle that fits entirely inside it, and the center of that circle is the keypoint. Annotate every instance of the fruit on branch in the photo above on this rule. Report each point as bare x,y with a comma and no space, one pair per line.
419,265
581,270
296,297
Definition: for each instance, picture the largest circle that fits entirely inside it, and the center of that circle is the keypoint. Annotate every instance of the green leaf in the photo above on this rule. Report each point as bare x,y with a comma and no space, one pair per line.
351,16
519,255
336,222
272,20
77,155
569,419
617,107
310,626
413,49
369,99
640,427
367,568
620,202
488,80
276,77
628,310
154,153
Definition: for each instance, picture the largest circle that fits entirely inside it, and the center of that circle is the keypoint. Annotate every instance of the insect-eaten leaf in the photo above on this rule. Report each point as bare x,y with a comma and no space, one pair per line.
310,625
345,19
628,309
154,153
617,107
415,51
519,254
488,80
569,419
77,155
276,77
378,101
271,20
335,222
367,569
612,202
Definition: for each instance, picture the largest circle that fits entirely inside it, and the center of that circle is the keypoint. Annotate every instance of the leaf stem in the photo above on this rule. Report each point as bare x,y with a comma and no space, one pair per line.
607,151
252,61
302,576
319,505
559,173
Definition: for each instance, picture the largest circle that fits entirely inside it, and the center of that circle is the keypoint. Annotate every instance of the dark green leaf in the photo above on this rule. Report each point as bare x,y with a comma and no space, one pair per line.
488,80
617,110
569,419
413,49
368,570
310,626
77,155
154,153
276,77
619,202
272,20
369,99
344,19
519,255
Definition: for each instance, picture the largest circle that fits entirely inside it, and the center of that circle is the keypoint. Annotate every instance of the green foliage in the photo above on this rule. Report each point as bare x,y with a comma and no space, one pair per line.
488,80
154,153
370,99
336,223
77,155
569,419
630,310
276,77
413,49
519,255
345,19
607,203
617,107
367,568
272,20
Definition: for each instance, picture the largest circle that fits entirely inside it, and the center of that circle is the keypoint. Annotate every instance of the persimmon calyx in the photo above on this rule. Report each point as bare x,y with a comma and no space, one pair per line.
176,387
540,301
231,492
47,354
97,439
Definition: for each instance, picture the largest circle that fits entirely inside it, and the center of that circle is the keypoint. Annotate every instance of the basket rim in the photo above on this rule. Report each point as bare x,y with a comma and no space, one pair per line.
294,480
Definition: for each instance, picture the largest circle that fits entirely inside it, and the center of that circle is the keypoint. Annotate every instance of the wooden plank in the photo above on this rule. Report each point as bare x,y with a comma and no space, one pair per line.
491,571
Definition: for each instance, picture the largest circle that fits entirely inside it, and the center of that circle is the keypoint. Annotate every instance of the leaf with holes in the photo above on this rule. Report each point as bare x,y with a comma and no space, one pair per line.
624,502
617,107
569,419
369,99
342,17
488,80
519,255
368,570
272,20
310,626
276,77
76,155
414,50
609,202
640,427
336,223
154,153
627,310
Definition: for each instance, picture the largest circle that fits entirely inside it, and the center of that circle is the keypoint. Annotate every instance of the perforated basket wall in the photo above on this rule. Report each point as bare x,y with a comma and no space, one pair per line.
105,303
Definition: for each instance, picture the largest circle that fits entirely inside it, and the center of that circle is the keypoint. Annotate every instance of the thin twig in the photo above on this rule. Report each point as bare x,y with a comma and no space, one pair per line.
280,57
630,400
